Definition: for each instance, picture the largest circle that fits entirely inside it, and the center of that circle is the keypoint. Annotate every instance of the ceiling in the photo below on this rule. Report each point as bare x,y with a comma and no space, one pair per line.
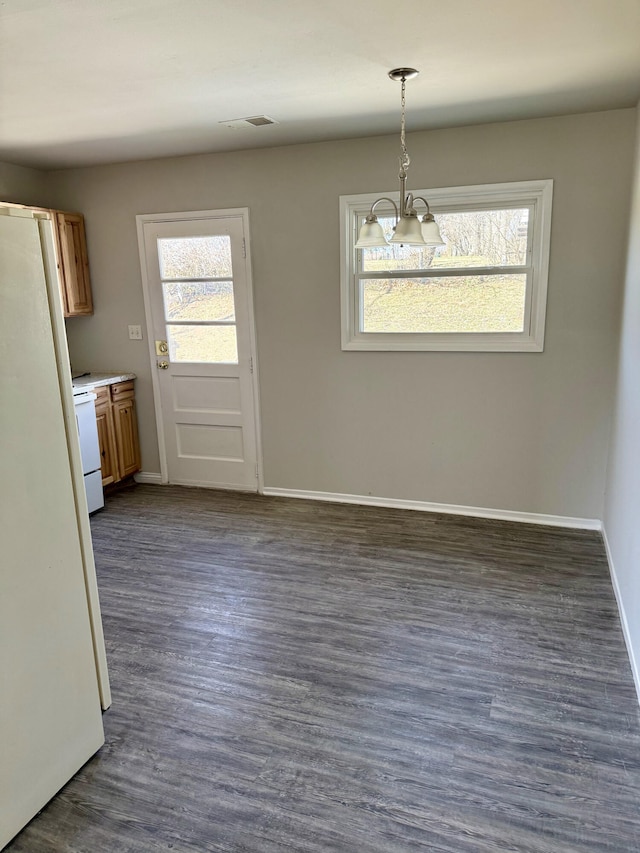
102,81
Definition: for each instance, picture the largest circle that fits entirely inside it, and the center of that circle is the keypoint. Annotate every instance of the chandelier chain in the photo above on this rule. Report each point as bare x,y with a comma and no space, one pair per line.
405,160
408,230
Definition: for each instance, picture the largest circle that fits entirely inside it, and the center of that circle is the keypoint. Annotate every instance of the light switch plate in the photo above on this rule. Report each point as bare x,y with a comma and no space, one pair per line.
135,333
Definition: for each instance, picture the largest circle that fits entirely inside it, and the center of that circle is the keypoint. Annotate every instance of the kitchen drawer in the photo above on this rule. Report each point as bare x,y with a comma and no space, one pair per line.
102,394
122,391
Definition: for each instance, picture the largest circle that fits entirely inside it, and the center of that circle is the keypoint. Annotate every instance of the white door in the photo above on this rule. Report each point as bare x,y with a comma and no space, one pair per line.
200,325
50,720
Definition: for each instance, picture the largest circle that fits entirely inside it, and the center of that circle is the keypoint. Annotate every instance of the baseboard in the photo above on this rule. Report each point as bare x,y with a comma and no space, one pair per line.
449,509
149,477
226,487
621,611
154,479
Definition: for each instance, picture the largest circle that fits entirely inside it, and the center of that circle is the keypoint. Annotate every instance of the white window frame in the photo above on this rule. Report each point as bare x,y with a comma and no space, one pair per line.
536,195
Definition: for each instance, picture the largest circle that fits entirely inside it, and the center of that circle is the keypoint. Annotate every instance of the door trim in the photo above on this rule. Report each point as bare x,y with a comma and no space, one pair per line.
184,216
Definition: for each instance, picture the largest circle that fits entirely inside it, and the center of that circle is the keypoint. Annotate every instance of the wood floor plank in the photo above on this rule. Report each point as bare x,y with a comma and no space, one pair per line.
292,676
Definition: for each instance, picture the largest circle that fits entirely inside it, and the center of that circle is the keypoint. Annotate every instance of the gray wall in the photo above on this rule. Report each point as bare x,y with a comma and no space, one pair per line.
622,501
23,186
515,431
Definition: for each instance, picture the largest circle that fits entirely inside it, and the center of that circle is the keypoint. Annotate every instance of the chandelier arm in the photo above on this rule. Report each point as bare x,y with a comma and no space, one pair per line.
377,202
408,205
424,201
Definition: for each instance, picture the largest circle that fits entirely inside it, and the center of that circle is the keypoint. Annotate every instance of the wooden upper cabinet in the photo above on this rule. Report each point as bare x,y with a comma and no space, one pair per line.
73,264
71,258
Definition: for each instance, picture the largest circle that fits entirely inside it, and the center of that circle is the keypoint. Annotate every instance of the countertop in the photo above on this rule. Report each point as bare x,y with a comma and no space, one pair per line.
95,380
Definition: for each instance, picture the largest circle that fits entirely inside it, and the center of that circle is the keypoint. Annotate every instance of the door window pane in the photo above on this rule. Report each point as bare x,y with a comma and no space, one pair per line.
199,300
195,257
203,344
480,303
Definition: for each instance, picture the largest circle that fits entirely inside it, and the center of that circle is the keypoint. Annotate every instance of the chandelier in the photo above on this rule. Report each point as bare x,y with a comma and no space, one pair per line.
408,229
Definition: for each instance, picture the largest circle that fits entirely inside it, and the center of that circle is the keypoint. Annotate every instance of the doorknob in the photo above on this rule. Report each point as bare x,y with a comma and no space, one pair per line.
163,365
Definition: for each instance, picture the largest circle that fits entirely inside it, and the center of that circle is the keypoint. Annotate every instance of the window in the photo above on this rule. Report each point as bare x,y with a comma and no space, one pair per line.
484,290
197,290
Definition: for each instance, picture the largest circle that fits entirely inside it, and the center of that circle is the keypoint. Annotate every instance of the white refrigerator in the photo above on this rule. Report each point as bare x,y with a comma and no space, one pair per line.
53,676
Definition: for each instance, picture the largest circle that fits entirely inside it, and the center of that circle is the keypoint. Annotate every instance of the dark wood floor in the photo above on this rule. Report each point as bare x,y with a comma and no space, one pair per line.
290,676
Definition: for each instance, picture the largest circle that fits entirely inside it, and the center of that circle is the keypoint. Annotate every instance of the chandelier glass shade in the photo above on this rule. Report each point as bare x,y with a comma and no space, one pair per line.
408,230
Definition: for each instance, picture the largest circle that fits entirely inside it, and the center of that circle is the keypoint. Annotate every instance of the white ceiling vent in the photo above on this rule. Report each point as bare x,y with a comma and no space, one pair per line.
252,121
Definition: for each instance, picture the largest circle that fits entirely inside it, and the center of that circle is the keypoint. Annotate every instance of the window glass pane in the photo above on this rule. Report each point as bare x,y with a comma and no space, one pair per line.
487,303
480,238
396,257
195,257
199,300
212,344
484,238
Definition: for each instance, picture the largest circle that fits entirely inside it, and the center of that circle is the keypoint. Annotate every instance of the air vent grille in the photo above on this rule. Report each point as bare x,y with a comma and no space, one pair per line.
259,121
250,121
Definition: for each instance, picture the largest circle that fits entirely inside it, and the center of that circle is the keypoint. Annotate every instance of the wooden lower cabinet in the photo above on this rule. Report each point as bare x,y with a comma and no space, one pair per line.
117,431
106,439
124,416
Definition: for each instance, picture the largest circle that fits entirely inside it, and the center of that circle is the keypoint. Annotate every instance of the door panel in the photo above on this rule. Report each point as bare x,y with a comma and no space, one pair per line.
211,394
198,302
205,441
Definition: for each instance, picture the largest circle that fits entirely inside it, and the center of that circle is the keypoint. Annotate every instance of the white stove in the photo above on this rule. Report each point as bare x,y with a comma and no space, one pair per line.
89,446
